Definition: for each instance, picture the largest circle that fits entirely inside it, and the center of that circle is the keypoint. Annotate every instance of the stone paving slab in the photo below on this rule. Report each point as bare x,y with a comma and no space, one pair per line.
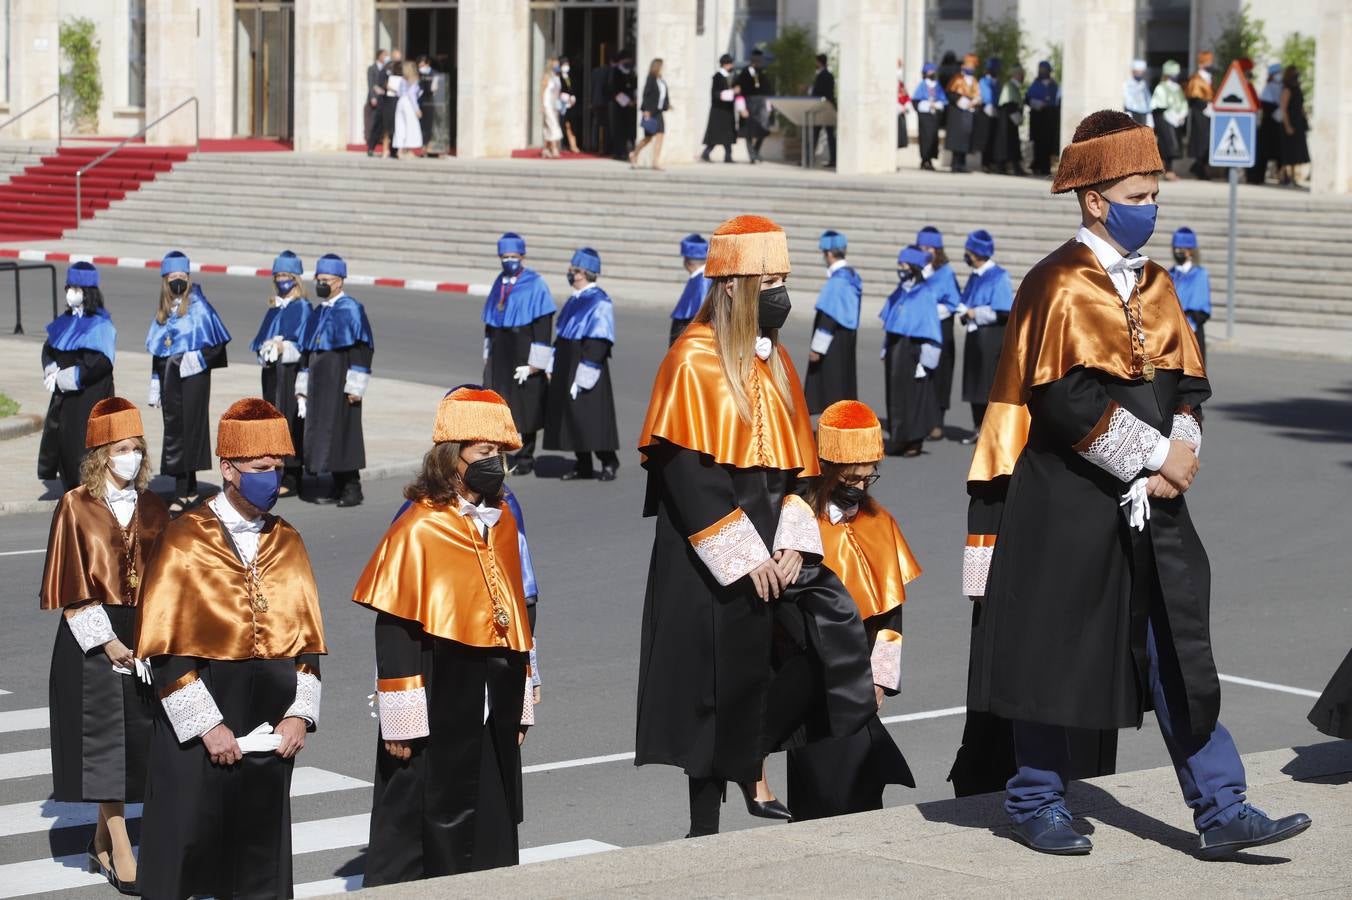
961,848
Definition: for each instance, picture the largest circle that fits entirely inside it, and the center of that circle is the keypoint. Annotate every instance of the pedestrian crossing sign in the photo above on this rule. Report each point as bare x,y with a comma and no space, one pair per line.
1233,136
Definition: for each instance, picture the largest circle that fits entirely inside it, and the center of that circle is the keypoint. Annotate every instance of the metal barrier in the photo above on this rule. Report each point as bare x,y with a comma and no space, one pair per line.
196,145
55,95
9,265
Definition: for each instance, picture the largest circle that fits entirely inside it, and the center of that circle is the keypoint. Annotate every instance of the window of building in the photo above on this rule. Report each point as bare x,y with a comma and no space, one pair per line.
757,22
136,53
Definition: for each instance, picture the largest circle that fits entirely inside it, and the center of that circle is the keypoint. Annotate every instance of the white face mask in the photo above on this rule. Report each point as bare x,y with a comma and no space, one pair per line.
125,465
74,297
424,70
901,74
565,69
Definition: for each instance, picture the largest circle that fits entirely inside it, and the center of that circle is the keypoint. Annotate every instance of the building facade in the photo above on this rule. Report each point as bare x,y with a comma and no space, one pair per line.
295,70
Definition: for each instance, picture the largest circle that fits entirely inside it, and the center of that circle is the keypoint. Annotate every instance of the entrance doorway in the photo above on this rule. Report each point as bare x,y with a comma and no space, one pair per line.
264,68
588,32
426,28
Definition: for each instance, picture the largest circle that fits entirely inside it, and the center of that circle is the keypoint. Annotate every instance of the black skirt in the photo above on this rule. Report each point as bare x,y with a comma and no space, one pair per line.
961,125
929,135
586,424
980,356
1166,138
1199,132
1332,712
279,389
185,405
835,376
62,446
1294,150
100,721
912,408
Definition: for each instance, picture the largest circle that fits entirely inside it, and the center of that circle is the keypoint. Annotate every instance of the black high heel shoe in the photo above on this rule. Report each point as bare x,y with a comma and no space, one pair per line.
97,867
764,809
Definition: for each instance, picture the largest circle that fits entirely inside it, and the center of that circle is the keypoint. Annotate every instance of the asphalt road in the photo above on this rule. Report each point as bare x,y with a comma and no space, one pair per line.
1271,503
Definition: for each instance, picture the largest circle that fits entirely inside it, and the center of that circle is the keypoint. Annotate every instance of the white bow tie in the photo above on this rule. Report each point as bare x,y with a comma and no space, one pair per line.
486,515
764,347
838,515
123,495
244,526
1129,264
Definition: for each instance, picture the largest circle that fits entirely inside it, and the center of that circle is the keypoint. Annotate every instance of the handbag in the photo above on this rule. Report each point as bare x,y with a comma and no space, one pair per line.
650,125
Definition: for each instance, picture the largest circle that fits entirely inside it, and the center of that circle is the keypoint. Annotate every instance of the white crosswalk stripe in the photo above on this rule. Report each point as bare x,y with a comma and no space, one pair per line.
25,763
23,719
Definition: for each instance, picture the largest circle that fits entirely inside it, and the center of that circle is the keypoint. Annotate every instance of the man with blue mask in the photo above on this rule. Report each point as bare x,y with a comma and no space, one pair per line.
518,341
1079,534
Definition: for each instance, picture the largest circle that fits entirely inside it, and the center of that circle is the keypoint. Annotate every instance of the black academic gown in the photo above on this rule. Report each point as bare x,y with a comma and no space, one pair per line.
279,389
1068,572
1332,712
63,432
509,348
586,424
948,361
912,404
334,439
722,124
835,376
455,805
980,356
186,404
710,655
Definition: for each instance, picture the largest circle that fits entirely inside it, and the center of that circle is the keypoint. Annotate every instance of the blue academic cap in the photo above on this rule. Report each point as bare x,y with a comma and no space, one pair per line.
694,247
331,264
929,236
928,67
831,240
981,243
1186,238
1274,68
511,242
1045,64
587,258
83,275
174,261
993,64
287,263
913,256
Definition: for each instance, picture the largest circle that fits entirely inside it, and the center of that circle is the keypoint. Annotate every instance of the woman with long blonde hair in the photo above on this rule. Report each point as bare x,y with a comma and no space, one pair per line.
186,341
551,86
737,601
102,536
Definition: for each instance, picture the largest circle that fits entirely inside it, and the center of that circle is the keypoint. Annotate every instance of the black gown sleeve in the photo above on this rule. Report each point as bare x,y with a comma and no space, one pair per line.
398,647
94,367
47,357
826,323
214,356
1192,393
361,354
699,490
168,669
595,350
1071,406
309,659
986,505
542,330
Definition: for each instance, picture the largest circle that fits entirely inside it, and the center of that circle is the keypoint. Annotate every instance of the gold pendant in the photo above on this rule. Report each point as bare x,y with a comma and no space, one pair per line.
133,580
1148,371
260,603
168,342
501,619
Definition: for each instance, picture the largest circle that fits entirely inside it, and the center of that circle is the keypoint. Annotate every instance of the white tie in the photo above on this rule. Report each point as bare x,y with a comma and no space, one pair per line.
486,515
1129,264
764,347
125,495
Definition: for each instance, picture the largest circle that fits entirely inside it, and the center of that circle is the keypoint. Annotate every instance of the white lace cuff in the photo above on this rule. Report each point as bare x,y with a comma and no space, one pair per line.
541,357
356,383
731,547
1120,444
587,375
403,711
91,627
534,666
886,660
821,341
302,384
1186,428
797,528
528,704
976,563
309,689
190,708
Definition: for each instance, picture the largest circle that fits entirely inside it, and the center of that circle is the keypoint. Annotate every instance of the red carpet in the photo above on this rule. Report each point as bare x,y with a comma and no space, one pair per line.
40,203
209,145
535,153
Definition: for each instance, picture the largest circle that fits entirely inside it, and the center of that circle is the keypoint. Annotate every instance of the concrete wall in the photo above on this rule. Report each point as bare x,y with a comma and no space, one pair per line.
189,53
1099,40
1331,139
866,87
492,113
34,68
117,116
323,121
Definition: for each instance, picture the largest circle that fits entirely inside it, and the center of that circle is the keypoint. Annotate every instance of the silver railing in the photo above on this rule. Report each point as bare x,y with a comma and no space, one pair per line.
55,95
196,145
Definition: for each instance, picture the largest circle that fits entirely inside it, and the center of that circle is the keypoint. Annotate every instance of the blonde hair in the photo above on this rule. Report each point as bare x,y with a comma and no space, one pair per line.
94,468
736,323
167,300
410,72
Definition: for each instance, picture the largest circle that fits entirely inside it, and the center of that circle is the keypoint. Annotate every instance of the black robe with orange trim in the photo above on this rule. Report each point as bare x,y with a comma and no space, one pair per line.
709,652
1059,635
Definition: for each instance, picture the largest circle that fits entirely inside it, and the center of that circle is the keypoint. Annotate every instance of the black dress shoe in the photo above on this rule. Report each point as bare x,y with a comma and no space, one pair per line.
970,439
523,466
764,809
607,474
577,475
1251,828
1049,831
351,496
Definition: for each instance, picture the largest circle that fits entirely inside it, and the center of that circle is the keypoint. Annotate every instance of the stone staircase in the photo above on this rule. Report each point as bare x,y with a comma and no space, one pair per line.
1294,262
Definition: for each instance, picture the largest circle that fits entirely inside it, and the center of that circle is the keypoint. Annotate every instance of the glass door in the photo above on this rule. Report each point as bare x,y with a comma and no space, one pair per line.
264,68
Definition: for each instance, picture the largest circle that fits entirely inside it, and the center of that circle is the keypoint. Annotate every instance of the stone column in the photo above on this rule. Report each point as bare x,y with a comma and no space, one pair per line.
35,69
361,52
866,87
492,91
1331,119
1098,43
172,69
323,104
667,29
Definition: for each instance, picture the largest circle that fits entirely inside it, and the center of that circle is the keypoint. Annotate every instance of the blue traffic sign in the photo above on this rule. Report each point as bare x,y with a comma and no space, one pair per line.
1233,139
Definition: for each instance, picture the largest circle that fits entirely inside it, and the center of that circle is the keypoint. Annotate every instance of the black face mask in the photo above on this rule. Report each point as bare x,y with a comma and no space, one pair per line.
323,290
774,307
848,495
178,286
485,477
969,259
1180,257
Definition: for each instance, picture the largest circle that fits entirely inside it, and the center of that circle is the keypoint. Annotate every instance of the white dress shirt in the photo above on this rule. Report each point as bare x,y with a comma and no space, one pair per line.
696,274
122,501
984,267
838,264
244,532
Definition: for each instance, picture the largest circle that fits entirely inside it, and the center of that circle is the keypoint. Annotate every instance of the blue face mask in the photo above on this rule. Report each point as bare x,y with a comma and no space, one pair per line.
1131,226
285,286
260,488
511,266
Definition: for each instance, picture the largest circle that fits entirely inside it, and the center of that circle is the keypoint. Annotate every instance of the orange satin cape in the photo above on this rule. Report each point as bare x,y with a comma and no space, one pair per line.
692,408
871,558
1198,88
1068,314
433,567
85,551
197,601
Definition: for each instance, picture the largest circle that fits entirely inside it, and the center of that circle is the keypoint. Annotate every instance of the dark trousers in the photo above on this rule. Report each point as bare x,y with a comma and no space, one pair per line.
830,141
753,147
389,106
1210,772
185,485
959,162
372,121
609,460
727,151
527,450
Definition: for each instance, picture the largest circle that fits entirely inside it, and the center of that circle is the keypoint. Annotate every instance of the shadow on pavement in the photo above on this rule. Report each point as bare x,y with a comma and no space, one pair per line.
1329,762
1319,419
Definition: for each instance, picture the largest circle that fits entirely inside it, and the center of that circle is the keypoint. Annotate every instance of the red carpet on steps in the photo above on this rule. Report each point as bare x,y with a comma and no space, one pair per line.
40,203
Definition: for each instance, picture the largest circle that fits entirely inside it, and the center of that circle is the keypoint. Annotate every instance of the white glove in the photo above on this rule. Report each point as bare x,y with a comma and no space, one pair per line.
1136,504
1208,111
821,341
1176,119
923,106
261,740
68,379
290,352
929,356
964,103
153,398
270,352
920,371
302,383
300,406
141,670
487,342
961,309
944,311
989,110
191,363
985,315
49,377
726,95
574,390
521,374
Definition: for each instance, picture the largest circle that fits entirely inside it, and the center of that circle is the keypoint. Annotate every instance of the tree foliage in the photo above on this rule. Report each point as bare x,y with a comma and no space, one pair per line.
81,84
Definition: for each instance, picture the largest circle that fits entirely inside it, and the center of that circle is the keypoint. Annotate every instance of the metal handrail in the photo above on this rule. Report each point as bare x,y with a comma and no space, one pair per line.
196,146
53,95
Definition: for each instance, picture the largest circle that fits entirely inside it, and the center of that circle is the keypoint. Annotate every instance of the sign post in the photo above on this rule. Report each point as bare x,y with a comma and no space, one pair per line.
1234,135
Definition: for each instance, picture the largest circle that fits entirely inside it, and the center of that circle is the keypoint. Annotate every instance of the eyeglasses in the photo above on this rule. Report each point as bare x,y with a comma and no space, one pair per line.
863,481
